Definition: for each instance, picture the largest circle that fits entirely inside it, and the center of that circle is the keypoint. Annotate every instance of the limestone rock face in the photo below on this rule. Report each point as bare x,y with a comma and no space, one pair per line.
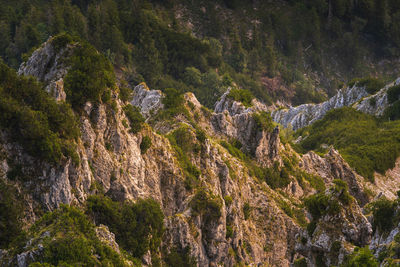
107,237
48,66
303,115
335,236
149,101
377,103
257,224
233,120
356,97
333,166
225,103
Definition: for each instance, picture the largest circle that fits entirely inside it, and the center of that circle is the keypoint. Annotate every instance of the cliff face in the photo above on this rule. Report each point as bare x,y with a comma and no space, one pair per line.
257,224
356,97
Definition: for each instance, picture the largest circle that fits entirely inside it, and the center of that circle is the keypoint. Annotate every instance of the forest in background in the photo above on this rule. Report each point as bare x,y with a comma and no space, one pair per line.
277,49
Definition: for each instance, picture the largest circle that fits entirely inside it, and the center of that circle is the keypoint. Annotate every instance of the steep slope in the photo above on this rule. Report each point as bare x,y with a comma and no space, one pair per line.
231,192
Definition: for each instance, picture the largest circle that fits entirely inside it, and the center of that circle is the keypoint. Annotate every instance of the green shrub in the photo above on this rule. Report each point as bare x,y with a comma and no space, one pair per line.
393,94
206,205
341,188
180,257
228,200
182,141
229,231
353,133
201,135
241,95
145,144
60,41
90,75
42,126
233,150
383,212
138,227
173,101
274,177
361,257
336,246
74,241
11,214
392,112
316,182
300,262
135,118
372,85
263,121
372,101
246,210
311,227
125,93
317,205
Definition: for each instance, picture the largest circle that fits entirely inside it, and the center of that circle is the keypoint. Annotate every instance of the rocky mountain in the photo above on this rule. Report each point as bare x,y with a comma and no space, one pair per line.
232,192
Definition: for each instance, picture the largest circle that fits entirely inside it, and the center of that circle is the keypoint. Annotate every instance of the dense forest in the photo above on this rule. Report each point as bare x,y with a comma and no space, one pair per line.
276,49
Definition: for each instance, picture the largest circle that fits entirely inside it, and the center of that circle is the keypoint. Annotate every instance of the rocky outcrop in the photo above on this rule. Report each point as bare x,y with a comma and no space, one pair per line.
377,103
303,115
356,97
107,237
335,235
225,103
149,101
333,166
233,120
49,66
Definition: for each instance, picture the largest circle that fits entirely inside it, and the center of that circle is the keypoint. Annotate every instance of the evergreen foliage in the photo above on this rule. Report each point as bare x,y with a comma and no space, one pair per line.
138,227
361,257
90,75
73,241
11,214
145,144
147,34
45,128
183,143
241,95
366,143
135,118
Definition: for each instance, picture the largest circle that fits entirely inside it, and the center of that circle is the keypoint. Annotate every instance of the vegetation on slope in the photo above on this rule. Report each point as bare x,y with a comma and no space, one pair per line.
247,42
368,144
11,211
68,239
90,76
138,227
45,128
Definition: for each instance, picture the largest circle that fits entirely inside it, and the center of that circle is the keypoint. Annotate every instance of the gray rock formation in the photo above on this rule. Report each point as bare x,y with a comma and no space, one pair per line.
49,66
303,115
149,101
336,235
234,120
332,166
356,97
377,103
